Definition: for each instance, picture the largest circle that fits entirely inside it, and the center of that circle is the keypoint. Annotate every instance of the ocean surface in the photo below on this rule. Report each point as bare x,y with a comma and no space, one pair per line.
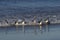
46,32
33,7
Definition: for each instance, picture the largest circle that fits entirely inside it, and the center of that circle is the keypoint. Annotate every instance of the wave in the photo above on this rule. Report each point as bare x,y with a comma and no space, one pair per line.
8,7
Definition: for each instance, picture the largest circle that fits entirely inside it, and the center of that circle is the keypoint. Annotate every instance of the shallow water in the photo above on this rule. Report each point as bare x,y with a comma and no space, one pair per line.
27,8
46,32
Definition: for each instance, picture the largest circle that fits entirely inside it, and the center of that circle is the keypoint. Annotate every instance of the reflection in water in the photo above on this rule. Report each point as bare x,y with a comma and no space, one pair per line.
29,29
6,30
41,29
45,32
35,31
47,28
23,29
17,29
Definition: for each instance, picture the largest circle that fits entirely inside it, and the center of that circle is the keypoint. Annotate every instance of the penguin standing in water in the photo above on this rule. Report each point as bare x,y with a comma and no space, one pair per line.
40,22
6,21
47,21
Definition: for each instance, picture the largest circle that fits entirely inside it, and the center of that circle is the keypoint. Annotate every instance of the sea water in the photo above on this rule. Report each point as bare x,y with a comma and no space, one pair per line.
46,32
31,7
9,8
